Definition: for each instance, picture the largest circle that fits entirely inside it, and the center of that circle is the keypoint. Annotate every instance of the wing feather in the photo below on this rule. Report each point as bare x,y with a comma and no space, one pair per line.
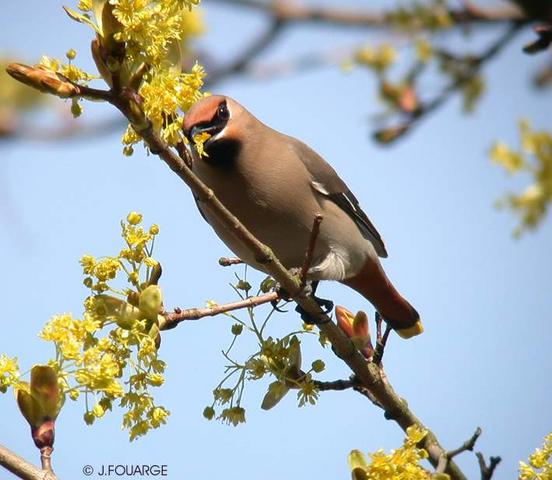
326,181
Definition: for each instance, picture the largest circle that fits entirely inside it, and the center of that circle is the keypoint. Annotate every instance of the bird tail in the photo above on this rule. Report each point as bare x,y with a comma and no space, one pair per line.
372,283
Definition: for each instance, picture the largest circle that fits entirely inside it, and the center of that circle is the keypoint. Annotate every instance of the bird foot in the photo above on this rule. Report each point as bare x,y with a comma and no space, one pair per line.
326,306
308,290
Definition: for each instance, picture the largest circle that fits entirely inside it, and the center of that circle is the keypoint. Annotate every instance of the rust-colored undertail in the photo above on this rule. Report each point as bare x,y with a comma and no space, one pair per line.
372,283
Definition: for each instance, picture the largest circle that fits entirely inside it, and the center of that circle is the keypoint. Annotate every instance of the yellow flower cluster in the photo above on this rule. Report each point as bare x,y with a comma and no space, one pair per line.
9,372
539,466
111,354
150,26
152,36
280,358
165,93
534,158
135,256
377,58
68,70
417,16
400,463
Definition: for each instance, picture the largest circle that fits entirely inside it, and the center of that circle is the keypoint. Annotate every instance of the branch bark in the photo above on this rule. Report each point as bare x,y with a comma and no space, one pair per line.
21,468
291,11
174,318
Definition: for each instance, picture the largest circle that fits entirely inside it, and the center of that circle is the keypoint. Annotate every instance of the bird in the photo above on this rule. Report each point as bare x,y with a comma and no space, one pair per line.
276,185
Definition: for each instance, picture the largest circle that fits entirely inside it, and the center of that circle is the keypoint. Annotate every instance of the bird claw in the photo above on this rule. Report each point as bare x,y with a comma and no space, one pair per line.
326,306
275,306
309,289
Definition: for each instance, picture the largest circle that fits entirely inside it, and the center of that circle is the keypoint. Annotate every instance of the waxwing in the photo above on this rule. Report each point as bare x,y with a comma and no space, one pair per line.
275,185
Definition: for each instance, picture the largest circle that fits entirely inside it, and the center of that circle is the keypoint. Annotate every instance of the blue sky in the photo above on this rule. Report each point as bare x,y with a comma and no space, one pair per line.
484,359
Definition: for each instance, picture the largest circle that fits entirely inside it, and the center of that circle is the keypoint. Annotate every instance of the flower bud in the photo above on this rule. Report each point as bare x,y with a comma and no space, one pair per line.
89,418
76,109
40,403
98,411
209,413
318,366
43,80
237,329
151,301
134,218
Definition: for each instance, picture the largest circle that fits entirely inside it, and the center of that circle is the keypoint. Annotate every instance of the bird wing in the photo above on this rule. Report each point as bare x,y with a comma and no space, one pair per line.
326,182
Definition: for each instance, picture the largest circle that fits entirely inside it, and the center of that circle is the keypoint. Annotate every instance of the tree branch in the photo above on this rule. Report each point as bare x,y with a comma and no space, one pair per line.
174,318
21,468
291,11
467,445
487,470
240,63
335,385
391,134
228,262
310,250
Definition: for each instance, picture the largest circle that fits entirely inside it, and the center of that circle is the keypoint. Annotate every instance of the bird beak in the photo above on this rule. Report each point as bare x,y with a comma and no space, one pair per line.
196,129
212,130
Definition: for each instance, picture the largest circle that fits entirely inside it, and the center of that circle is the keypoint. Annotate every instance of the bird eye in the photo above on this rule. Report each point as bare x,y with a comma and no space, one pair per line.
223,112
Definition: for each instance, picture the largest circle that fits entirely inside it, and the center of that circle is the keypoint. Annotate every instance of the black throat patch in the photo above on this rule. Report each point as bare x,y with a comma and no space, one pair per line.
222,153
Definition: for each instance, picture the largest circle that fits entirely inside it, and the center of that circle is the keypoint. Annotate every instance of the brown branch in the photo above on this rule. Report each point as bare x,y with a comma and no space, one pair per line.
381,340
242,61
310,250
46,458
291,11
467,445
174,318
369,375
487,470
389,135
21,468
335,385
228,262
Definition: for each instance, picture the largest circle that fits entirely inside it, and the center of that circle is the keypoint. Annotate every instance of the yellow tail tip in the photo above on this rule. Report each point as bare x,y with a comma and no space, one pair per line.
412,331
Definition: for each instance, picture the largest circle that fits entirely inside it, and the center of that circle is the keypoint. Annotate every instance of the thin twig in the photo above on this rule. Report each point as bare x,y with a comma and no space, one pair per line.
46,458
334,385
381,340
393,133
227,262
487,470
21,468
310,250
293,11
252,51
467,445
174,318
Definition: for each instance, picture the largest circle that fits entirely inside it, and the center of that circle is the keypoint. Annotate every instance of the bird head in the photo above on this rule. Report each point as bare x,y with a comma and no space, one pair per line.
211,115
